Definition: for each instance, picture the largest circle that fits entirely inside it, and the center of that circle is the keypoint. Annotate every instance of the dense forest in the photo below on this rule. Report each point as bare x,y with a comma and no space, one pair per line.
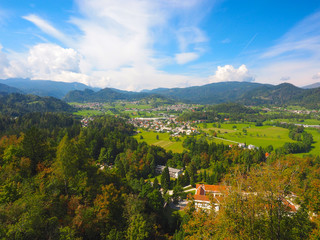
63,181
16,104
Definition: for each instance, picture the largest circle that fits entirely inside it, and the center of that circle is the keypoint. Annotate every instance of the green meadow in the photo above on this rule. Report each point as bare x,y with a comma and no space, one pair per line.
88,113
163,141
258,136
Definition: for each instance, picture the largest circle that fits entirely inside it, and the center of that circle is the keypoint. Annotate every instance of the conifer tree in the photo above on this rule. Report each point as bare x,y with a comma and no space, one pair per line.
165,179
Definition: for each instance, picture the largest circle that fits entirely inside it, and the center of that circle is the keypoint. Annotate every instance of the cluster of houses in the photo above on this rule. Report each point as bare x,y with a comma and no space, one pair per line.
243,145
85,121
92,106
296,111
165,124
165,108
304,125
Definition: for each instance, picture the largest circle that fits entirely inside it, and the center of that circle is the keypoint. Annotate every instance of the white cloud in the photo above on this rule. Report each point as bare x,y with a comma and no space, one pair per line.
112,43
4,63
300,72
189,36
46,60
301,41
285,78
126,78
229,73
46,27
316,76
182,58
296,54
52,62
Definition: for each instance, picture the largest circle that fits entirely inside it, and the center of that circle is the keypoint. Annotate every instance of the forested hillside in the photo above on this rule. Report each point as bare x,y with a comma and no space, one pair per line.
242,92
18,104
63,181
5,89
283,94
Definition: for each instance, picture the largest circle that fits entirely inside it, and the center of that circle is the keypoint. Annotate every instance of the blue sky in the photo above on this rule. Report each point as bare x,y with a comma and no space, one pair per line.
144,44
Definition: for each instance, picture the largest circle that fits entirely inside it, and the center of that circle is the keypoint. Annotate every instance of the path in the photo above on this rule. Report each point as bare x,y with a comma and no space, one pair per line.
226,140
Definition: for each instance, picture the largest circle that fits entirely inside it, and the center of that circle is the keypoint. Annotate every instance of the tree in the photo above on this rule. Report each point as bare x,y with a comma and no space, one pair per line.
34,147
156,183
71,157
139,225
165,179
108,207
254,208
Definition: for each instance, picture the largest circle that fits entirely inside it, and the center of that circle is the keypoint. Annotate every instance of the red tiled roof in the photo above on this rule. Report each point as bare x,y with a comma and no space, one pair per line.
289,205
201,198
212,188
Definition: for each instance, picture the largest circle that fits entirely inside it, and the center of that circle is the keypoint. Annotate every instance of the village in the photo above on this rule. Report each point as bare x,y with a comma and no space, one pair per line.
166,125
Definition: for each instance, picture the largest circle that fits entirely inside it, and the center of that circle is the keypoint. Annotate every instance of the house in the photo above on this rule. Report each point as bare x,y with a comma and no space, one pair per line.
251,147
208,196
173,172
241,145
211,196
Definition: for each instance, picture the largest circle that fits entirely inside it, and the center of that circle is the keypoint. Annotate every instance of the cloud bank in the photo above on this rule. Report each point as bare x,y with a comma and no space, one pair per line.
229,73
113,45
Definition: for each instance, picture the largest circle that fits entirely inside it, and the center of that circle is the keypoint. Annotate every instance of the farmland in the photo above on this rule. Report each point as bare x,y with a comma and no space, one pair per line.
163,140
250,134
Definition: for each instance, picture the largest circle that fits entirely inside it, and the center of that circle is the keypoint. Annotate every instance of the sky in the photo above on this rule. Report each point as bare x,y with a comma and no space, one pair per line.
146,44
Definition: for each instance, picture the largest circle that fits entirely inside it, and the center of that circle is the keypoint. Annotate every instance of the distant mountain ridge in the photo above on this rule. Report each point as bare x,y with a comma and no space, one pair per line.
212,93
247,93
313,85
44,87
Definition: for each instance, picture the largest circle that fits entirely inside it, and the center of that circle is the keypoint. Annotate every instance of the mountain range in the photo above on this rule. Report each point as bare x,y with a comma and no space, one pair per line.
42,87
248,93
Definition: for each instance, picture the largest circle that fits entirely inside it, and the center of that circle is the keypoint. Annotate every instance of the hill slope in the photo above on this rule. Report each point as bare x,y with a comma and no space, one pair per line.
5,89
16,104
104,95
44,87
211,93
284,93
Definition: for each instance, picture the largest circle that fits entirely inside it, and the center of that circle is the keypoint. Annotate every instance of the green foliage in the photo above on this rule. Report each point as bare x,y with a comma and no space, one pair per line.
61,181
165,179
18,104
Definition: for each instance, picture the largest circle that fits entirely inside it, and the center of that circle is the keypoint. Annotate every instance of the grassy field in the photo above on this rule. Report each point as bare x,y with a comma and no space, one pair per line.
305,121
163,141
88,113
258,136
316,138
